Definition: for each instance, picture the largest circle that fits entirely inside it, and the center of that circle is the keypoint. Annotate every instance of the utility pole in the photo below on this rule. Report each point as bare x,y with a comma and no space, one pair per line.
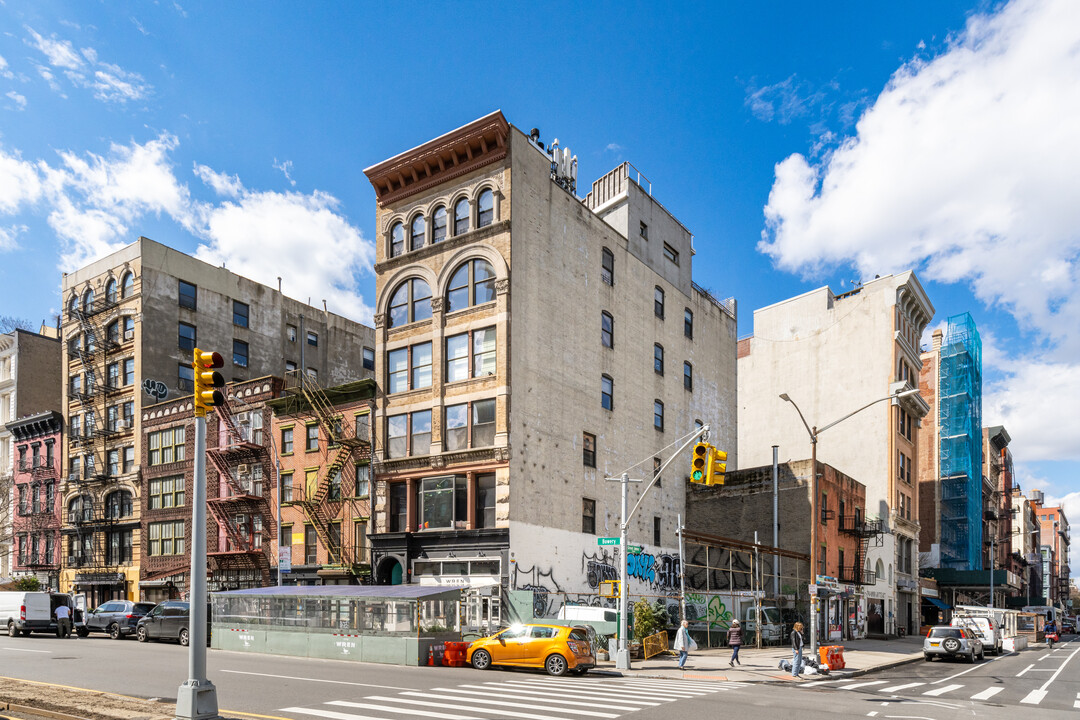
682,570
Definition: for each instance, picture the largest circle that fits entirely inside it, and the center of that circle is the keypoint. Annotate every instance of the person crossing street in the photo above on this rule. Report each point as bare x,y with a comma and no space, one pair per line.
734,638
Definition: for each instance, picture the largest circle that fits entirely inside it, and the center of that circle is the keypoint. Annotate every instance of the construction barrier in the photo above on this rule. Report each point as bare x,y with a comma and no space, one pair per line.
455,654
655,644
832,656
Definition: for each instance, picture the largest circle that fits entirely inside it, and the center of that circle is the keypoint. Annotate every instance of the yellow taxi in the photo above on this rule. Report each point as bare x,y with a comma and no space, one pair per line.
555,648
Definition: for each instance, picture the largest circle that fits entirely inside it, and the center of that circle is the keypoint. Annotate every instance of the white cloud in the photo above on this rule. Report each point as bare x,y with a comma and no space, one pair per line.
286,170
83,69
1036,402
5,71
1070,505
9,237
112,83
220,183
20,183
19,100
59,53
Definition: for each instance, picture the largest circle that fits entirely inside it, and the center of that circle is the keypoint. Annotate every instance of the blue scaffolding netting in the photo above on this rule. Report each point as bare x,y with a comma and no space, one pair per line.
960,420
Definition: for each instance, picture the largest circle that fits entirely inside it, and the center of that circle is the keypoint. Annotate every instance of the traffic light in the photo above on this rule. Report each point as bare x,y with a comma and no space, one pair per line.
206,380
717,467
699,463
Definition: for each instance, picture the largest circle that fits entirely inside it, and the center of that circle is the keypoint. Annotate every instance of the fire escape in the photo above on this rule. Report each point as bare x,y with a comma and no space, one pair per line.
864,531
43,521
248,544
323,501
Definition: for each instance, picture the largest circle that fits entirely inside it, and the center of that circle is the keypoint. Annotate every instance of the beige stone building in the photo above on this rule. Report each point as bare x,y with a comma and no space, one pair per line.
130,323
832,354
529,343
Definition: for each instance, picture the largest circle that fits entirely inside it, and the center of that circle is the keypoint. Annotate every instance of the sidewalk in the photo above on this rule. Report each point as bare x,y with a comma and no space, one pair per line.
860,656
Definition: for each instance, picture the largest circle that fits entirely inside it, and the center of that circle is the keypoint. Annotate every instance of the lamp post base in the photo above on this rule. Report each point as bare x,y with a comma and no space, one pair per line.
622,659
197,700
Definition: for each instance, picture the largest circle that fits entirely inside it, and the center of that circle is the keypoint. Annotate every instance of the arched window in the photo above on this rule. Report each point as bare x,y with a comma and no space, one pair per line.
88,300
658,415
110,290
397,240
485,209
471,284
461,216
127,286
118,504
416,237
80,509
410,303
607,329
658,358
687,376
607,266
658,302
73,304
879,570
438,225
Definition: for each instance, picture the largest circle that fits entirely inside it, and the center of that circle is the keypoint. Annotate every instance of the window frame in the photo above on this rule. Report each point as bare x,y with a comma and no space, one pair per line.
588,449
607,267
607,329
311,440
471,285
607,390
240,359
462,222
671,254
658,358
688,323
416,231
588,516
408,372
411,304
435,226
182,341
186,300
245,316
396,242
688,376
481,212
658,415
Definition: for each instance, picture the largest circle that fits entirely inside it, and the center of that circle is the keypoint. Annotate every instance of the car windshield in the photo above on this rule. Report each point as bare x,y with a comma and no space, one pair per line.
772,616
946,633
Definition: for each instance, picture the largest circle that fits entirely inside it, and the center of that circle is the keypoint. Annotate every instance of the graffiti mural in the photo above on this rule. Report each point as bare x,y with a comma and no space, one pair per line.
599,567
661,572
538,581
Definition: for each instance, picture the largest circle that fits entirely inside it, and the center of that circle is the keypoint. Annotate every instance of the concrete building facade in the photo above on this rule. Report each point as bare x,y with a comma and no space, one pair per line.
833,354
131,321
29,385
529,343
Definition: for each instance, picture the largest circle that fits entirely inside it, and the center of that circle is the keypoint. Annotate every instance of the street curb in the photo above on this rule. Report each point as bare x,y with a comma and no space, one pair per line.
852,674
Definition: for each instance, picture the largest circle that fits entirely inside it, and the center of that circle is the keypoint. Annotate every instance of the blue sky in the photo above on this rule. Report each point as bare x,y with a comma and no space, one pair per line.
804,144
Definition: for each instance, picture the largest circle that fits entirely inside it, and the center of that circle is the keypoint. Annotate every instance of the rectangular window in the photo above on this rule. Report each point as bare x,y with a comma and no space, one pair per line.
187,340
483,423
363,481
687,376
166,446
240,353
397,368
129,372
285,538
822,560
658,302
363,427
671,253
658,415
290,366
286,487
75,386
824,509
409,368
456,434
644,231
588,516
369,359
311,437
187,296
185,377
436,502
397,427
485,500
360,541
688,323
167,538
313,339
118,546
240,313
112,374
904,468
421,366
588,449
286,441
311,545
607,392
607,330
457,357
656,530
398,507
290,332
167,493
113,462
484,352
607,267
420,436
658,359
129,459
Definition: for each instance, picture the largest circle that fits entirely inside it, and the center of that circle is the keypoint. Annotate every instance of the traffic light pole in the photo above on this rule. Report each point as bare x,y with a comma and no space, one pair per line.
197,697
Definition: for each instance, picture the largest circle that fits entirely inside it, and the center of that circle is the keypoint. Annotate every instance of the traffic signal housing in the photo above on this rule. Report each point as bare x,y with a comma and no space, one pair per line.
717,467
207,379
699,462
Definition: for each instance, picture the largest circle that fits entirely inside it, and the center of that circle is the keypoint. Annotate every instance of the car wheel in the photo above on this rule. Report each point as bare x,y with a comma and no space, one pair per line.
142,634
114,632
971,657
12,631
82,632
481,660
184,638
555,665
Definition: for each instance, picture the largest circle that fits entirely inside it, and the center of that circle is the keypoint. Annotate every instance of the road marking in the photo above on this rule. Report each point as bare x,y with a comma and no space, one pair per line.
585,694
25,650
328,714
897,688
661,696
532,696
872,713
499,708
1021,673
318,680
965,672
827,682
665,685
1034,697
864,684
1076,702
403,711
942,690
987,693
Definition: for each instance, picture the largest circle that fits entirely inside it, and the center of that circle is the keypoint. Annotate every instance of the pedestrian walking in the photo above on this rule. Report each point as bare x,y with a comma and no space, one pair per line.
734,639
63,621
796,648
684,643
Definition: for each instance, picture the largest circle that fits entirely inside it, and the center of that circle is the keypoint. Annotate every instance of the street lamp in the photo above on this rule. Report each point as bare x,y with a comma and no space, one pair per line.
814,432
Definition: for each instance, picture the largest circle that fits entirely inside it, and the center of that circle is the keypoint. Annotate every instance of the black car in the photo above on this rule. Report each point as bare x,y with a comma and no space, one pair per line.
118,618
170,620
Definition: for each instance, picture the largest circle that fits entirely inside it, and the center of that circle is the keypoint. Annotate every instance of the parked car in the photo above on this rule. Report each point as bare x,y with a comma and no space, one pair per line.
169,620
948,641
555,648
989,634
1068,624
117,618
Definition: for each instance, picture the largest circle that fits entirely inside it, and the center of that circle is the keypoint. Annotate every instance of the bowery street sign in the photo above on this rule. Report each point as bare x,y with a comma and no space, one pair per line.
607,541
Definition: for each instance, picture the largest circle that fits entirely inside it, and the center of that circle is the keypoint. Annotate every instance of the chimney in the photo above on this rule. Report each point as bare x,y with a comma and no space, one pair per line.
935,342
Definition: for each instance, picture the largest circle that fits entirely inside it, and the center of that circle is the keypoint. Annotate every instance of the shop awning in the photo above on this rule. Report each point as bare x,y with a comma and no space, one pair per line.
934,601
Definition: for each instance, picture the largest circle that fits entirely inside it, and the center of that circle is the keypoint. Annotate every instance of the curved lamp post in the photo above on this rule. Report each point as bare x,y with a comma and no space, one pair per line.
814,432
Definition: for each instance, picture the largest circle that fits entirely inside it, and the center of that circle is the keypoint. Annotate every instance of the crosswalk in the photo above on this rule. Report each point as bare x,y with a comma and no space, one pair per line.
524,698
928,689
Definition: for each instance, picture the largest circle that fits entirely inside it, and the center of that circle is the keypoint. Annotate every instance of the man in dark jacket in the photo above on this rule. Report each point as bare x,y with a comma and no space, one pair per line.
796,648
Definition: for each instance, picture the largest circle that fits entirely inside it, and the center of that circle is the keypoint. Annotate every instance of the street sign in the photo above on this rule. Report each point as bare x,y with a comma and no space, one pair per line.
634,549
813,589
607,541
284,559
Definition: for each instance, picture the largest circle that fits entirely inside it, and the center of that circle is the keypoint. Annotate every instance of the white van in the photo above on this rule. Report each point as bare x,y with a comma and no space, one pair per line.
587,613
27,612
984,627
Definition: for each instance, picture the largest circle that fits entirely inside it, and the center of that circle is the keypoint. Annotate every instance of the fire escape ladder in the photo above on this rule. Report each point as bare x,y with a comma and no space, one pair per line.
222,466
225,522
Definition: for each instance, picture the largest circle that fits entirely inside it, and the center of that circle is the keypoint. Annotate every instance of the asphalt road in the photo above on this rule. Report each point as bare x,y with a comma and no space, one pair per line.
299,688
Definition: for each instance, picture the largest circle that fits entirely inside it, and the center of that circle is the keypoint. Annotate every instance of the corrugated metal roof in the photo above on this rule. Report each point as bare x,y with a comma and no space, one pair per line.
395,592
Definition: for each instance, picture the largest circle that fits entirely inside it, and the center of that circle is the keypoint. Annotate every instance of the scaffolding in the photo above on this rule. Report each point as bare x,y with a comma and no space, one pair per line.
960,421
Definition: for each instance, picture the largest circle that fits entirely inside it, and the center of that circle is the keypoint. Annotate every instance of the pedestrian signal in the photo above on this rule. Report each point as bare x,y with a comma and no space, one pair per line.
699,462
717,467
206,380
609,588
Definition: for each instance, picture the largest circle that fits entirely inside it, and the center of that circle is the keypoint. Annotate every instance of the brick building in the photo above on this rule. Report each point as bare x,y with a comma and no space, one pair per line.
36,483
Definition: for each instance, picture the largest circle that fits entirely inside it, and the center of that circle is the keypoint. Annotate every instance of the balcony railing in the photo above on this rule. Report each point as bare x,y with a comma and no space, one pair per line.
858,525
857,575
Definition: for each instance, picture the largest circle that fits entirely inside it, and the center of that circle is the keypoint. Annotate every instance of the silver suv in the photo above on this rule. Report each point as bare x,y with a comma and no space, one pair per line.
946,641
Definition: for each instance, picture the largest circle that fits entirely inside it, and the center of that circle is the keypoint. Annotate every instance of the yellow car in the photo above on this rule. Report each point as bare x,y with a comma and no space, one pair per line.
556,648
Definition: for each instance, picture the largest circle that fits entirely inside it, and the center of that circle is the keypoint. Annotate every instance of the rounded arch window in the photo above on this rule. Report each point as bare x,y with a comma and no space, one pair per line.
118,504
127,285
438,224
411,302
471,284
879,570
110,290
397,240
416,236
461,216
73,304
88,300
80,508
485,206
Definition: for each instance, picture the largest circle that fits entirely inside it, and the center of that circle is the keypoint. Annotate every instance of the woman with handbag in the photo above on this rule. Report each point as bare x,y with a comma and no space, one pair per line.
684,643
734,639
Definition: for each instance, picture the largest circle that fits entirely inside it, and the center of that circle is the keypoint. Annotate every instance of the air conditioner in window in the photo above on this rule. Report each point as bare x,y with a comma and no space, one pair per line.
242,469
244,418
123,424
72,561
73,477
